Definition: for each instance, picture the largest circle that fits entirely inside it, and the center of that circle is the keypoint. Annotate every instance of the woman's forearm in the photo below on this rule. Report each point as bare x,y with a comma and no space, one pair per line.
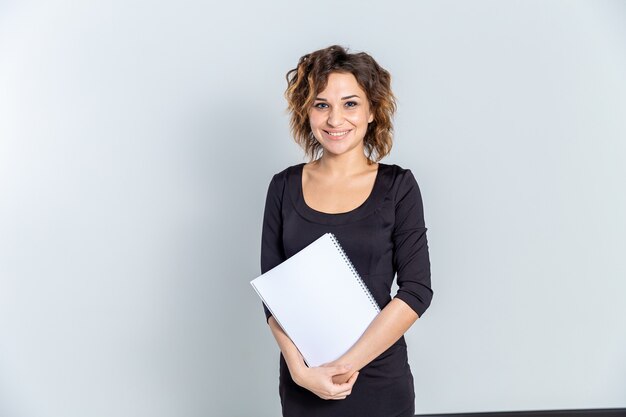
318,380
292,355
388,326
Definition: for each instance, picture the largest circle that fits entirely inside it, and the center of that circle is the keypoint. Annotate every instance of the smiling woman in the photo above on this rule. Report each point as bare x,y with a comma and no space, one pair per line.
341,108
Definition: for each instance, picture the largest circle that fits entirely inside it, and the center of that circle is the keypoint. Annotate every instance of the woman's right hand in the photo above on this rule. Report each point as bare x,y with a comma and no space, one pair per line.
319,380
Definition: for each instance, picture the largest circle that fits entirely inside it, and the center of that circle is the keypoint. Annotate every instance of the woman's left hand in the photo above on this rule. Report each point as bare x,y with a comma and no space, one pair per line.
340,378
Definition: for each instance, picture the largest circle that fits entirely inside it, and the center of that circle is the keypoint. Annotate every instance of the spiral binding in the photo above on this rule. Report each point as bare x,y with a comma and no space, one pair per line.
354,271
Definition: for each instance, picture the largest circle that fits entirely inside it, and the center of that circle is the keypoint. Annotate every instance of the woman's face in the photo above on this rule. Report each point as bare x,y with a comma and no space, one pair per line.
340,115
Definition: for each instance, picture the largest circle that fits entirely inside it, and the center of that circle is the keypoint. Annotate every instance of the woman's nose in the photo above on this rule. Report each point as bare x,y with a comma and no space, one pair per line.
335,116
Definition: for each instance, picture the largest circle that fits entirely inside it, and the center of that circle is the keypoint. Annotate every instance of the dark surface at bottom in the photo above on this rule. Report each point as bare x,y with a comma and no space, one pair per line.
599,412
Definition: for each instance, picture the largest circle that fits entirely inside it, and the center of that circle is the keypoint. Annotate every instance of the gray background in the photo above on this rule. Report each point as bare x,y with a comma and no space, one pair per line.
137,140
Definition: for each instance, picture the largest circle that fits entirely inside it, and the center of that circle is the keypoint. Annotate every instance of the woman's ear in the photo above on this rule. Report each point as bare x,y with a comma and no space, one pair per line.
371,118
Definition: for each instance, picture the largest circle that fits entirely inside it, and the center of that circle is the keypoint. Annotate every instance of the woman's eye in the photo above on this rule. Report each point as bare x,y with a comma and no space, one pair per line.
351,103
321,105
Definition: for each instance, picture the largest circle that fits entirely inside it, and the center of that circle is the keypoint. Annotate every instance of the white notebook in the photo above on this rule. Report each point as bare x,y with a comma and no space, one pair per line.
319,300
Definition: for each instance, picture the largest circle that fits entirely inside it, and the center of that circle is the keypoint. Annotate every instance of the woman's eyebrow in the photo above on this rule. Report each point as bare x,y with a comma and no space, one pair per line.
343,98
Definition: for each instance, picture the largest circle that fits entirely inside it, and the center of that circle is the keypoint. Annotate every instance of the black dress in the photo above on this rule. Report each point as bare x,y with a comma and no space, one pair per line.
384,235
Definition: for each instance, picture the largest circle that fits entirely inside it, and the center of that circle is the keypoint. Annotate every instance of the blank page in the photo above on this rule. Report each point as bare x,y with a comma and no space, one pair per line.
319,300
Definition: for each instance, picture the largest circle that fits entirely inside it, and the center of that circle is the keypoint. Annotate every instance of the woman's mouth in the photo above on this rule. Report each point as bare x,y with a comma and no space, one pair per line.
337,135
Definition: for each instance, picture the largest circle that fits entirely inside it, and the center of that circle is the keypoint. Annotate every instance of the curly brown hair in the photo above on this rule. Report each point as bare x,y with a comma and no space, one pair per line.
311,76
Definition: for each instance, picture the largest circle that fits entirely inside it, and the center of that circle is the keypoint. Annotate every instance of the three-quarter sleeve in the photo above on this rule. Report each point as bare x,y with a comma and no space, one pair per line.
410,258
272,251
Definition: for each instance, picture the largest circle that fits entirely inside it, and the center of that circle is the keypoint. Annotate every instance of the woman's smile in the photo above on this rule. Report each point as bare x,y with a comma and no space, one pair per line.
337,135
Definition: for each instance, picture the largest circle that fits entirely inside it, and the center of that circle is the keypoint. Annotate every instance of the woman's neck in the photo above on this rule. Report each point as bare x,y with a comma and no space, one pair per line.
342,166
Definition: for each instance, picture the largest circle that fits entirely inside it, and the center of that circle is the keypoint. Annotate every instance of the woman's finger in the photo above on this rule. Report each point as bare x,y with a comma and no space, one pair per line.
353,378
336,393
348,384
344,393
344,389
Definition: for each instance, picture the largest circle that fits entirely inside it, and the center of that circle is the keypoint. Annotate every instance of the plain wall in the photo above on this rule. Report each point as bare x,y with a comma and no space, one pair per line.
137,140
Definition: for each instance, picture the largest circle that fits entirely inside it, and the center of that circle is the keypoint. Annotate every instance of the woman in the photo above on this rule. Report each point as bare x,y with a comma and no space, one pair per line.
341,108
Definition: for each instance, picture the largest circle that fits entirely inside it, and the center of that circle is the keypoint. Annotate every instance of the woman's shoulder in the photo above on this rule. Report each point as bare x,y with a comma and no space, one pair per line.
395,168
397,173
400,180
280,180
281,177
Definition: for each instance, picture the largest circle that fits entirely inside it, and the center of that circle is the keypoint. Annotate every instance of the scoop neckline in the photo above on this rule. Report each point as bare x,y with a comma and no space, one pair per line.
354,214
